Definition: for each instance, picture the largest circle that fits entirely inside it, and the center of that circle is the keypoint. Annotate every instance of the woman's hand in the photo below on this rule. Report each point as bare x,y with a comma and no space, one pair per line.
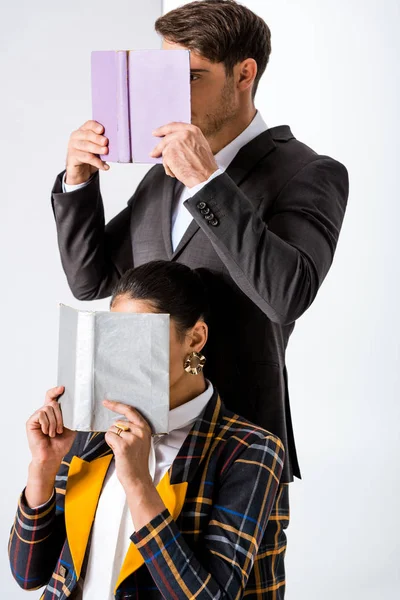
49,441
131,448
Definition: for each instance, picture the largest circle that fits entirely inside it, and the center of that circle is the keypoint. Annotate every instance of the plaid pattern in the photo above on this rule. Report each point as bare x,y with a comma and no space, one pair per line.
228,541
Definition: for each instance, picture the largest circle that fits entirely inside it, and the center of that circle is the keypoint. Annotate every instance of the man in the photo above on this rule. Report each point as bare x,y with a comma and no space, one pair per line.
258,210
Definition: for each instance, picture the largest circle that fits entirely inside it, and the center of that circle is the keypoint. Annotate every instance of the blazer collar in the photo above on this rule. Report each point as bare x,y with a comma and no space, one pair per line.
238,170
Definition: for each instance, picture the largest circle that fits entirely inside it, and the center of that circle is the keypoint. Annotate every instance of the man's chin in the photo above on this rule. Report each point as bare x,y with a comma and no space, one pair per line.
204,128
197,124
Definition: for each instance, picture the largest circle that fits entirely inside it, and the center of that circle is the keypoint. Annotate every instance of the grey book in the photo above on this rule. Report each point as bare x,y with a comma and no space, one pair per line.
118,356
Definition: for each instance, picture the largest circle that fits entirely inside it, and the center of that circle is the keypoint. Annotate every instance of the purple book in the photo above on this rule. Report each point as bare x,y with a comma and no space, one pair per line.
133,93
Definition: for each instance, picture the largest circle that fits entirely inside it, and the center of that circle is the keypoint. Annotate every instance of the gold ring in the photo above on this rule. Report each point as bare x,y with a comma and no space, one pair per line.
122,426
119,431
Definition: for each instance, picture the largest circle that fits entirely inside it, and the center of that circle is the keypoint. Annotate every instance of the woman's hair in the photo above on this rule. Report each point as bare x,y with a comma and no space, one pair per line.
171,287
221,31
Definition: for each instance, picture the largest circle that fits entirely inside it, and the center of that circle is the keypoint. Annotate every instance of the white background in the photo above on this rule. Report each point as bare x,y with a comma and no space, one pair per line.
45,83
333,77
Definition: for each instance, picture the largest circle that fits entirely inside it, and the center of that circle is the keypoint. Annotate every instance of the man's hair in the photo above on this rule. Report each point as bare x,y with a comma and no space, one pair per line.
221,31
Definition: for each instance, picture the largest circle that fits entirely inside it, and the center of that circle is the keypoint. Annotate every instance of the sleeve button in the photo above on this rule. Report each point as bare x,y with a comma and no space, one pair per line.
201,205
214,222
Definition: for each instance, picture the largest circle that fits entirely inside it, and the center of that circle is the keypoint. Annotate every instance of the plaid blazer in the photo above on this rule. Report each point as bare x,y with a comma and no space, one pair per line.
210,542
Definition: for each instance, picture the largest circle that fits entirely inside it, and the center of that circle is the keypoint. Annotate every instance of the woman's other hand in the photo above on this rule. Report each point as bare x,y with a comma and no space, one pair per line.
49,441
131,450
132,447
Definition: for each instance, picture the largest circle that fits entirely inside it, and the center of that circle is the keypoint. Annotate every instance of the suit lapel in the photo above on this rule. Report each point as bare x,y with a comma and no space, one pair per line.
166,217
187,236
249,156
172,191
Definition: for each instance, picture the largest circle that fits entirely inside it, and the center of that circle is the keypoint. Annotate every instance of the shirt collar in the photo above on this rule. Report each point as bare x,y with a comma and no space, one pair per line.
225,156
187,413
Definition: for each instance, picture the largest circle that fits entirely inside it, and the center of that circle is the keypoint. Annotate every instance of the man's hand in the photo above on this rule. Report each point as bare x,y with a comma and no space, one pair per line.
186,153
84,146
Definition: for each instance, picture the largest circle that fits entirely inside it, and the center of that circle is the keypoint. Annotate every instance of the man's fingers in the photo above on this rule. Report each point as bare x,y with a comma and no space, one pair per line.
88,136
93,125
172,128
160,148
88,158
168,170
88,146
156,153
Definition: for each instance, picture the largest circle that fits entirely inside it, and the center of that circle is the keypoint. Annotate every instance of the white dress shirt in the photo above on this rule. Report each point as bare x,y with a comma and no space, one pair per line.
113,523
181,217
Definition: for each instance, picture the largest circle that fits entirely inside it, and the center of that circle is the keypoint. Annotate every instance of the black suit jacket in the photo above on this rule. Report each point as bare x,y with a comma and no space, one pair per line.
264,233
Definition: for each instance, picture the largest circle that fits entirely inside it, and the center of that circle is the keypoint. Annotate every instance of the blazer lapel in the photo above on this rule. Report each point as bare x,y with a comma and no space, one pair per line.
250,155
187,236
172,191
166,214
85,480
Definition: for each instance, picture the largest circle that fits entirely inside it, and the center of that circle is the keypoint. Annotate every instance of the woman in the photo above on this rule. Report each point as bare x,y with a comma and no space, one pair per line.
124,515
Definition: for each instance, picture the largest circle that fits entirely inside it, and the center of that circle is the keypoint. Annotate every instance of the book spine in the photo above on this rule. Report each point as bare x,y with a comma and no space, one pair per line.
124,142
84,371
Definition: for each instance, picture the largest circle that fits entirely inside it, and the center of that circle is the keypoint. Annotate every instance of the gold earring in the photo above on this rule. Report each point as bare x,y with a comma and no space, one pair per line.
194,363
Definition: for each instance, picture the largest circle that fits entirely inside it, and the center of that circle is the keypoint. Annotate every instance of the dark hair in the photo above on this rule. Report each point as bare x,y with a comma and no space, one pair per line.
221,31
171,287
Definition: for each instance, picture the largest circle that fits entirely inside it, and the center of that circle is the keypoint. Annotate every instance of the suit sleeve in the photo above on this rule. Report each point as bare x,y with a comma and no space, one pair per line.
280,262
238,521
38,534
93,255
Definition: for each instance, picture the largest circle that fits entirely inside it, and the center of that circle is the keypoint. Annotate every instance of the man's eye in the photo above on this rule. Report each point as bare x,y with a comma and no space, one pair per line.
193,77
